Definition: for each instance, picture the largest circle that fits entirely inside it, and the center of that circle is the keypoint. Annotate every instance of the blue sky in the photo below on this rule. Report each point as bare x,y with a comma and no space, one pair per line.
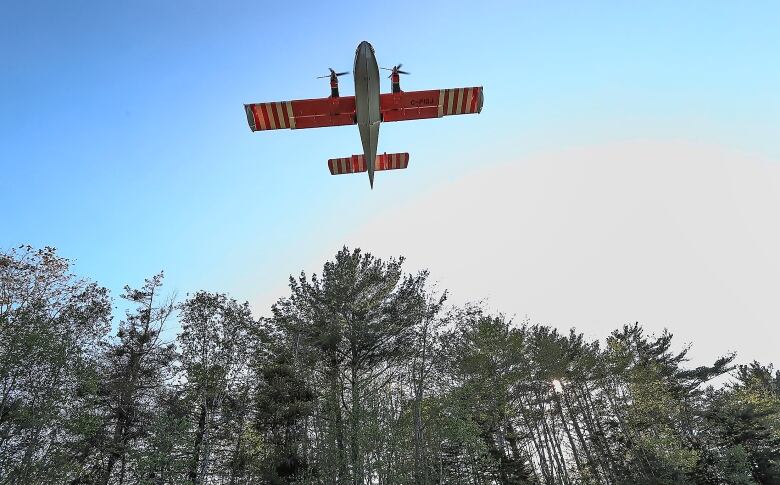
124,144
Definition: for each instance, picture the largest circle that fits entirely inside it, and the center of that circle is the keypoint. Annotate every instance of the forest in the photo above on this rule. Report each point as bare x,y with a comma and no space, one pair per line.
362,373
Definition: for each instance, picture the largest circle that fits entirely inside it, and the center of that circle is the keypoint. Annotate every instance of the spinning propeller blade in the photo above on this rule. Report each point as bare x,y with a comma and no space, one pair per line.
333,73
395,69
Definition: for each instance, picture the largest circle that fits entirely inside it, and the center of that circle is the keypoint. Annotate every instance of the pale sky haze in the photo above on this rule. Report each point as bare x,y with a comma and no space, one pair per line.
672,234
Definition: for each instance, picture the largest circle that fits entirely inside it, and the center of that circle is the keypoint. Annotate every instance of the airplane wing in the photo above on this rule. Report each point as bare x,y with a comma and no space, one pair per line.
416,105
302,113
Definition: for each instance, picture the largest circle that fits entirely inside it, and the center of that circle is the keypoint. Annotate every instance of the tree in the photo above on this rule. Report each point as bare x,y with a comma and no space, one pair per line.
422,366
743,423
283,402
360,376
214,343
50,324
488,361
357,321
136,368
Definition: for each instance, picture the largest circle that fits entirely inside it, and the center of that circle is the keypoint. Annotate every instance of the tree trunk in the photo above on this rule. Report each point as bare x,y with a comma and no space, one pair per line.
534,431
596,431
574,453
116,452
592,463
194,462
356,459
418,377
340,473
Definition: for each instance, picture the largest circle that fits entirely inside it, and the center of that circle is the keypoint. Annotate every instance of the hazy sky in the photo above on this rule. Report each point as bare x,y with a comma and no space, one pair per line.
625,166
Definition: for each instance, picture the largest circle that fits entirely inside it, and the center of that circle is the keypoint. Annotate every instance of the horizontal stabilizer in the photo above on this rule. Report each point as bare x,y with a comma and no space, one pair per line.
357,163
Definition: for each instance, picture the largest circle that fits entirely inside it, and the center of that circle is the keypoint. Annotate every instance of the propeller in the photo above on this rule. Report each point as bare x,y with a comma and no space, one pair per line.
333,73
395,69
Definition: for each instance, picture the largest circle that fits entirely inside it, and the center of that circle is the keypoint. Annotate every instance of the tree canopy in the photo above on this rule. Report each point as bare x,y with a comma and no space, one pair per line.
361,374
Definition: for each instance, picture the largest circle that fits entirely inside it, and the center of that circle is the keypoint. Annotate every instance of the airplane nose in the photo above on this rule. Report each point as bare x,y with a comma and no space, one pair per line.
365,47
364,55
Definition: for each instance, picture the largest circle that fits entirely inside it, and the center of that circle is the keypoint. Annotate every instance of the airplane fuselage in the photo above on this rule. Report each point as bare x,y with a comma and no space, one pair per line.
367,112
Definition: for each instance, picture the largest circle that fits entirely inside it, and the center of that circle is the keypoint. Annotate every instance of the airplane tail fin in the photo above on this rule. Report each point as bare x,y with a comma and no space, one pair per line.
357,163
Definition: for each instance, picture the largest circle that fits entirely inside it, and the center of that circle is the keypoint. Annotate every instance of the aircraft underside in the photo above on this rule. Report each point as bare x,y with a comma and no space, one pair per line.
367,112
367,108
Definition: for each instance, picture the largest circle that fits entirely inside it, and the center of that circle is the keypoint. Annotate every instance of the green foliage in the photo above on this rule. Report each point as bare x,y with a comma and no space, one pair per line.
744,419
360,375
50,324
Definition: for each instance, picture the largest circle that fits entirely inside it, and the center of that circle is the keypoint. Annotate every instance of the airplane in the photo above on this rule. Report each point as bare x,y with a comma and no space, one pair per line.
367,108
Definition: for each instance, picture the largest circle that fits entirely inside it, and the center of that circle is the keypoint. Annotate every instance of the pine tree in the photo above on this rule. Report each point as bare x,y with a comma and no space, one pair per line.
136,369
357,322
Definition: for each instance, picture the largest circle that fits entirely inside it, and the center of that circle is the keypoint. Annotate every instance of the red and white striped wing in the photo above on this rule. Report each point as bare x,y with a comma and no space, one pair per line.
415,105
391,161
357,163
302,113
353,164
